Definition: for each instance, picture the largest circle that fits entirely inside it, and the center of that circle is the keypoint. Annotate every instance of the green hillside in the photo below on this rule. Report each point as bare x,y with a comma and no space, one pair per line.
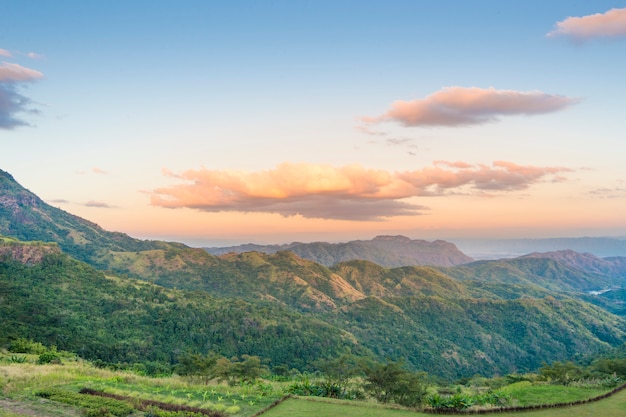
108,296
63,302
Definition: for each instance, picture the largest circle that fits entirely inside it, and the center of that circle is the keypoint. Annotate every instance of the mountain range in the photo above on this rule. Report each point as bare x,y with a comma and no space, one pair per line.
66,281
390,251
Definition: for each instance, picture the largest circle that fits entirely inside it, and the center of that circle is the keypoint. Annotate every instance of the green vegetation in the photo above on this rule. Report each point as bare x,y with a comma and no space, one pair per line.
235,334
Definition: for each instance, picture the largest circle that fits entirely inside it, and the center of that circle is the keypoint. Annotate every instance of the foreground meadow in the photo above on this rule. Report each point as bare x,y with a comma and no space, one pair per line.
614,406
53,390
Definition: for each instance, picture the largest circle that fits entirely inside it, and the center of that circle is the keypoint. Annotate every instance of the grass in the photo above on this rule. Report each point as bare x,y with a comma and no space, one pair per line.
526,393
614,406
19,383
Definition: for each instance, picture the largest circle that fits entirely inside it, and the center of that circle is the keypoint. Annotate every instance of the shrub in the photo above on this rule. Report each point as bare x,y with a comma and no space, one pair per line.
22,345
49,357
17,359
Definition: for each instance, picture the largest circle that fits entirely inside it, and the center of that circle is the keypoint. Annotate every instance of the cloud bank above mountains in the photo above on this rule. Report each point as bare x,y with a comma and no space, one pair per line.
350,192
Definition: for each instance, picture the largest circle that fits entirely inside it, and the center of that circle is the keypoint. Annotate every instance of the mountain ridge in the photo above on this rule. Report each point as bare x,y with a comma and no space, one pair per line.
384,250
512,313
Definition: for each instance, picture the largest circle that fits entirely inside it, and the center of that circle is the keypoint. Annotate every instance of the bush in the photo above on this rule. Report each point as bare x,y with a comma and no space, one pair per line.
49,357
22,345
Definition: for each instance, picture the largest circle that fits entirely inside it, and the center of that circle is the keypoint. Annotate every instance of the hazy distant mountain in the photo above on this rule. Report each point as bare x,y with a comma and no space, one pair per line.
510,248
389,251
615,266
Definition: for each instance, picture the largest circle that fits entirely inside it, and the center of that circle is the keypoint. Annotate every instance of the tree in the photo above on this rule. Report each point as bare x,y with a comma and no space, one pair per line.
389,382
337,373
197,365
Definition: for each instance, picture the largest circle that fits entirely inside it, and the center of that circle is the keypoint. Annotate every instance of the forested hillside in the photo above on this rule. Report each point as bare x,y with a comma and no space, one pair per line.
108,296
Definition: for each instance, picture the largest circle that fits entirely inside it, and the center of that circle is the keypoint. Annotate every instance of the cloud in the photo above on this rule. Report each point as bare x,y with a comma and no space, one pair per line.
4,52
34,55
348,193
10,72
12,102
98,204
611,24
97,170
461,106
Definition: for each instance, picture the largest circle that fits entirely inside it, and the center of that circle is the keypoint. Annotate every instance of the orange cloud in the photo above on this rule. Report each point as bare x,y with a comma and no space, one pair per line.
349,192
461,106
600,25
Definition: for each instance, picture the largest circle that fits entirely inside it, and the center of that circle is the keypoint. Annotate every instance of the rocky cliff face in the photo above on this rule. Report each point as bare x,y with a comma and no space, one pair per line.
28,253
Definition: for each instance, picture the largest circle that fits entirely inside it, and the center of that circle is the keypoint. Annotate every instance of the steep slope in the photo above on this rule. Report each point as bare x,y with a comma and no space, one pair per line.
389,251
25,216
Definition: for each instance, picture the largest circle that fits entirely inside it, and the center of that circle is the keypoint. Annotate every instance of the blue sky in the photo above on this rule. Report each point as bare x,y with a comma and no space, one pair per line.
145,108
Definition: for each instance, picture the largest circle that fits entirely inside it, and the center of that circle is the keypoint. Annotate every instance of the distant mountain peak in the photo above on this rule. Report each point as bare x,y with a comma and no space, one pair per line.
396,238
384,250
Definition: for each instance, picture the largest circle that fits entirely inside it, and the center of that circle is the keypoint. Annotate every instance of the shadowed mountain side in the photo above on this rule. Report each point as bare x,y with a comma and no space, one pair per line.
389,251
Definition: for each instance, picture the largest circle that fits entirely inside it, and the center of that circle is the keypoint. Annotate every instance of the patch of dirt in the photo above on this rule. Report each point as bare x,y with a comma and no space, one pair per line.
37,408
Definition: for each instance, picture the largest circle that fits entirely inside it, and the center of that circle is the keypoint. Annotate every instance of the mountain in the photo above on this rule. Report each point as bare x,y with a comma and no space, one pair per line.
544,272
57,300
509,248
615,266
25,216
390,251
157,299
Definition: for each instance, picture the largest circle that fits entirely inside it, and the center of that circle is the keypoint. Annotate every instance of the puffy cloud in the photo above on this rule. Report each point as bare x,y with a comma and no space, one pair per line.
461,106
11,101
600,25
349,192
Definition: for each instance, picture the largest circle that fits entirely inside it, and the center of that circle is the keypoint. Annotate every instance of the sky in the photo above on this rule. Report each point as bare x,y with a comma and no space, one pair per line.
223,122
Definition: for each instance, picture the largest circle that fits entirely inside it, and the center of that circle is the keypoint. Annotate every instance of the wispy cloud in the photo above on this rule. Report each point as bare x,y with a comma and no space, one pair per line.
461,106
98,204
97,170
34,55
611,24
617,191
4,52
349,192
12,103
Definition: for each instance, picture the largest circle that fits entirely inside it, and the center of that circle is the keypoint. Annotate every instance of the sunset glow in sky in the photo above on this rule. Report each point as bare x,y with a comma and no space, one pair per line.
224,122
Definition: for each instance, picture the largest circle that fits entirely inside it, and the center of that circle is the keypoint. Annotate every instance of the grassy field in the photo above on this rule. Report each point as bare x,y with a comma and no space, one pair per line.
614,406
20,383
